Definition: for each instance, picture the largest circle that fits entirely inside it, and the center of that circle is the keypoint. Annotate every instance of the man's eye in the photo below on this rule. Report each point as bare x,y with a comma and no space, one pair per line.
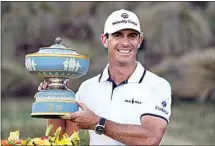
116,35
133,35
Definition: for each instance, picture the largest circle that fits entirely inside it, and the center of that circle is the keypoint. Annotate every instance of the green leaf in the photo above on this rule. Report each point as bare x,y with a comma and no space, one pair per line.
28,140
10,142
57,133
48,130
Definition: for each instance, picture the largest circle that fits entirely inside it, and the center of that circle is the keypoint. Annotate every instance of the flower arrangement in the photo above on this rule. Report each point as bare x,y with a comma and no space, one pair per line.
13,139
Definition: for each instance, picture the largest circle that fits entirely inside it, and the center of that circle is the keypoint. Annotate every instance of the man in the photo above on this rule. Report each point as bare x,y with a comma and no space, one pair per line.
125,104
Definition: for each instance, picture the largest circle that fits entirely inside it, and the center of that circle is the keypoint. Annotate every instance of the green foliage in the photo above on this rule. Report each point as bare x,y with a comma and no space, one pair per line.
46,7
174,28
16,116
190,75
210,13
15,76
185,116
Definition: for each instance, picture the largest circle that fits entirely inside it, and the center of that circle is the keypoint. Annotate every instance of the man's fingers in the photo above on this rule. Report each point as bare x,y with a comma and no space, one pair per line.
82,105
43,85
69,116
40,86
66,82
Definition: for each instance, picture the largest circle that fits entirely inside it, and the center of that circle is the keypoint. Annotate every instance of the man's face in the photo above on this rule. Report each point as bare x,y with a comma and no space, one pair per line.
122,46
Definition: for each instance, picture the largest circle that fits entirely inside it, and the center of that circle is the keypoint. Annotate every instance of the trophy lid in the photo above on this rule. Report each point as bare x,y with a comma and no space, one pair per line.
57,61
57,45
57,49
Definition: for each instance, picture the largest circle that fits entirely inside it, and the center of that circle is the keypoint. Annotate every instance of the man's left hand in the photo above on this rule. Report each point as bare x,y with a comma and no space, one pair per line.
84,119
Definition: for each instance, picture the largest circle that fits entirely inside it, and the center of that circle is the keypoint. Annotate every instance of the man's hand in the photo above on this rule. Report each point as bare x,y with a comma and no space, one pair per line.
44,85
84,119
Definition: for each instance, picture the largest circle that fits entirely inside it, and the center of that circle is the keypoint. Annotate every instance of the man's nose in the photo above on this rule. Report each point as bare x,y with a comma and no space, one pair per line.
125,42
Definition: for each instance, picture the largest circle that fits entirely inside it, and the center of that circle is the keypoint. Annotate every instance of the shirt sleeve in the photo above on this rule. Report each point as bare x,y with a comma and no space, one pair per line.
78,94
159,102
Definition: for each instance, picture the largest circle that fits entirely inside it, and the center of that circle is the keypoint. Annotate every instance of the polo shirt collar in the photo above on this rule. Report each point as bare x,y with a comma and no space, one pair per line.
136,77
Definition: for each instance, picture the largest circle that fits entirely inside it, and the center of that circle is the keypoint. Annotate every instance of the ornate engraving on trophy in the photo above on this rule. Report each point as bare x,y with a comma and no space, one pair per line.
30,64
59,107
50,107
71,64
45,74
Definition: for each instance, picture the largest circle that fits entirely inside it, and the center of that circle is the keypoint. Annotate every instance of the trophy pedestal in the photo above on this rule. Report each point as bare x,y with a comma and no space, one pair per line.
51,104
54,102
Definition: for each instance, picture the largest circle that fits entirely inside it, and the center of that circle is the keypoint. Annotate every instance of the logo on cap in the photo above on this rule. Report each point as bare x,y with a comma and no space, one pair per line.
124,15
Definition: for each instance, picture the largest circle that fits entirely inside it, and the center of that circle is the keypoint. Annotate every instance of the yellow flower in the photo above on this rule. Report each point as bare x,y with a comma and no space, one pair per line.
39,141
64,141
30,143
65,135
23,142
75,138
14,136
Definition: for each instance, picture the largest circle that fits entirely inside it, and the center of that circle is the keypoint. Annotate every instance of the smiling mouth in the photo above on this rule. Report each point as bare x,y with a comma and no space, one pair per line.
124,51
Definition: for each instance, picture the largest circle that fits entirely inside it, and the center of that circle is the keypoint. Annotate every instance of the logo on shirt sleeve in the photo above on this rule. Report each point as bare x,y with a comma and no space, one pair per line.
164,104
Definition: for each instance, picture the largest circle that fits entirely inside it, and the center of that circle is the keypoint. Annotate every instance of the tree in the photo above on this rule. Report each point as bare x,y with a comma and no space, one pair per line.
173,28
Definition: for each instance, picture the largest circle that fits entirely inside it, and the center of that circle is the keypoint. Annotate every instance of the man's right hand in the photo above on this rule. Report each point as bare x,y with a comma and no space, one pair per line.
43,85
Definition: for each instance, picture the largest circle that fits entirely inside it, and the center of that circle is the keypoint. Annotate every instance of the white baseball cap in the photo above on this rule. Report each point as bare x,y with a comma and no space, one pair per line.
121,19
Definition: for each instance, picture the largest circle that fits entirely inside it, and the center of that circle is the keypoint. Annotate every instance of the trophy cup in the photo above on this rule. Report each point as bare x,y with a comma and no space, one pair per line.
56,64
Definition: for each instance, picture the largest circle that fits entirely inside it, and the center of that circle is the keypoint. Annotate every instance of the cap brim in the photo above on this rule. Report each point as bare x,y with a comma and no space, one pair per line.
122,28
125,28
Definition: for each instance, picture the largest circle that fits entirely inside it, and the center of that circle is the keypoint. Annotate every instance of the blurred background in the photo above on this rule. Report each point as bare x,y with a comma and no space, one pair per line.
179,45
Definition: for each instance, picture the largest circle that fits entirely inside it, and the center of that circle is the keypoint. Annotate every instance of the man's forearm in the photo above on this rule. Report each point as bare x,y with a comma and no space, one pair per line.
130,134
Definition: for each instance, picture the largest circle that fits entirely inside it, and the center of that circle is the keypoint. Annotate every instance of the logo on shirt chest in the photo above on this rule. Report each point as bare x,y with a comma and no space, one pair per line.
133,101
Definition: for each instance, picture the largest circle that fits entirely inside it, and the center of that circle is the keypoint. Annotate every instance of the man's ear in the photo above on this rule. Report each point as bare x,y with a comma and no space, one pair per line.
140,40
104,40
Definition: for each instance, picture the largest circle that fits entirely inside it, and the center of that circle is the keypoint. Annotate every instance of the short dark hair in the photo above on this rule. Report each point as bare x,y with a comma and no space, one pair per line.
107,35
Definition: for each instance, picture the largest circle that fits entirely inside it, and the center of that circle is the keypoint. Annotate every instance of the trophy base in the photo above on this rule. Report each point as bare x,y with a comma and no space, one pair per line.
48,115
51,104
